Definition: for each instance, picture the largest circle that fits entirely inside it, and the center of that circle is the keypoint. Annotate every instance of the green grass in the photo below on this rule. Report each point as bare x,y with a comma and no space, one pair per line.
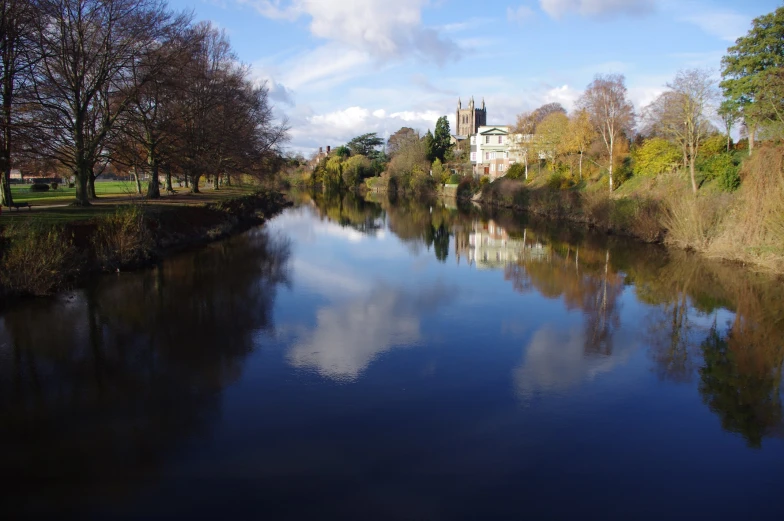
22,194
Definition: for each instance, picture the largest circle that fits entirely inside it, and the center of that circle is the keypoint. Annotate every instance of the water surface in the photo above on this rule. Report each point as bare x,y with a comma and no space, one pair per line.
400,360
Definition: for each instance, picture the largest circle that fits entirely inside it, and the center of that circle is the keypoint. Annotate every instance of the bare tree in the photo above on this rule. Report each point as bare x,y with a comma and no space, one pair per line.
17,19
683,113
523,137
88,49
155,83
611,113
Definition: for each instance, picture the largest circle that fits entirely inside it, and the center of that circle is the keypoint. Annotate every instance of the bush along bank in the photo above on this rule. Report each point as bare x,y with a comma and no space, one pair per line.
745,226
632,216
38,258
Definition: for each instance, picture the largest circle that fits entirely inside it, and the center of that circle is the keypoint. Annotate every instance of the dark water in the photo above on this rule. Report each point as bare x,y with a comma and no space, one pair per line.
355,360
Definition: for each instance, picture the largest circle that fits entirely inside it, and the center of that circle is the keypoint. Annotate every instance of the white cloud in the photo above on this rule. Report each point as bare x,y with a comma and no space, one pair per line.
520,14
382,28
725,24
328,62
596,8
339,126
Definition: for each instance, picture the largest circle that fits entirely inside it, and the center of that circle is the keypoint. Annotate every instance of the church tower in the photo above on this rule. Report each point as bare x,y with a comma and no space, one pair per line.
469,120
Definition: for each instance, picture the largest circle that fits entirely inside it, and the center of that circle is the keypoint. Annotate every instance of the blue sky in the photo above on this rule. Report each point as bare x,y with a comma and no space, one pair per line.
339,68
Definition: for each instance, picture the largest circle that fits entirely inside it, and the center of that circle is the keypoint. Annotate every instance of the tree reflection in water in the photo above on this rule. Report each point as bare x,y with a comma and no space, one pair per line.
96,387
740,370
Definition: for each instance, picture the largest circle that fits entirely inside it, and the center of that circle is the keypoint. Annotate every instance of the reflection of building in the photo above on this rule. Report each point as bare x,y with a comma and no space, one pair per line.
489,246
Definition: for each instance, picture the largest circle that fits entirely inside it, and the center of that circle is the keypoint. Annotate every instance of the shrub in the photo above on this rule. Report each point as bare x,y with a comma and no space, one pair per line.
54,185
37,258
123,238
355,169
454,179
516,171
692,221
440,174
656,156
555,181
713,145
729,179
39,187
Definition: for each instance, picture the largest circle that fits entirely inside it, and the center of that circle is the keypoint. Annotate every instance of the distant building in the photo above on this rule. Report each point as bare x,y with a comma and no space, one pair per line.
468,121
494,150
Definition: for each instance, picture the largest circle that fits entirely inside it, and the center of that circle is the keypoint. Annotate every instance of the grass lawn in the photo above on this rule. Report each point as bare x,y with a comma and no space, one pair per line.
110,195
22,194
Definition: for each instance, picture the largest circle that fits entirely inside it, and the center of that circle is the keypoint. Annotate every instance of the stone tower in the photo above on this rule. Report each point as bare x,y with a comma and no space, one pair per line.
469,120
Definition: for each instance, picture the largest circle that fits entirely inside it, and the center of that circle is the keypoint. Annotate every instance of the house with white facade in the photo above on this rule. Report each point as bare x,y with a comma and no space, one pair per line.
494,149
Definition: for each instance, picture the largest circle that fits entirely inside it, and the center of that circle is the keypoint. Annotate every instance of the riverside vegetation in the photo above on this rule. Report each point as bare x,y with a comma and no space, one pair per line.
669,172
123,88
38,257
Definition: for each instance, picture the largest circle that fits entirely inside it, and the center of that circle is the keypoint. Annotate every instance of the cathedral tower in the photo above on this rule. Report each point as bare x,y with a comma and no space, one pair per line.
469,120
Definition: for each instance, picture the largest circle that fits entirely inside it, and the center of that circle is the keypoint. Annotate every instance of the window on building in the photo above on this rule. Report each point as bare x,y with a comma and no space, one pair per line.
487,140
492,155
492,168
487,155
501,167
473,156
500,139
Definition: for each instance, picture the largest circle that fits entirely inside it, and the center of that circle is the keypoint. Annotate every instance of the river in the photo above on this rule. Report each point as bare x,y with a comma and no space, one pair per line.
400,360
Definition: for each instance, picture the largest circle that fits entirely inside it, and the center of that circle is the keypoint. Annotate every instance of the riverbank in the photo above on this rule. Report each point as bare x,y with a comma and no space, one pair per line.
42,254
746,226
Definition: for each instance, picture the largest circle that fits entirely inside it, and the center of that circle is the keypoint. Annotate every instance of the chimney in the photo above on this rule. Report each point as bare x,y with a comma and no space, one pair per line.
321,150
328,149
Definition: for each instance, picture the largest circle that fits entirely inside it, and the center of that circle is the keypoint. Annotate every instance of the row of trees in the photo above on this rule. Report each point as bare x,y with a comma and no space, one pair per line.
678,125
409,158
89,85
606,131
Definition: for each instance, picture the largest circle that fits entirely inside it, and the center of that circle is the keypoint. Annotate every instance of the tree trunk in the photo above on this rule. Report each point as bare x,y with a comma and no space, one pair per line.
752,135
187,180
91,186
138,181
227,180
167,173
195,184
154,185
612,143
581,166
5,187
691,173
82,195
216,182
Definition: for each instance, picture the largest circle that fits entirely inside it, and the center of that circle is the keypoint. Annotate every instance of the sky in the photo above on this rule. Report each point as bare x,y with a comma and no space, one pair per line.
339,68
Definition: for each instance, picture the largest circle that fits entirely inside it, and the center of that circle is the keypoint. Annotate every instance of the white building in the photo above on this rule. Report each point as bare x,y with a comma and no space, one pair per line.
493,150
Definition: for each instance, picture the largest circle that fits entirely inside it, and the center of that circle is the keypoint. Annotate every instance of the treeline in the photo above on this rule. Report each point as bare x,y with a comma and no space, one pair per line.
605,138
688,126
410,162
93,85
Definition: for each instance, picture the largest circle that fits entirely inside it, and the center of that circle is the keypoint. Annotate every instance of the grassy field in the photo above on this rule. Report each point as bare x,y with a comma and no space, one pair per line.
23,194
110,195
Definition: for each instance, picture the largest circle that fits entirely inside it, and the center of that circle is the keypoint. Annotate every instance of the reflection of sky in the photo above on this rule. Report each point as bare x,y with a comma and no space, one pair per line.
555,360
369,294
